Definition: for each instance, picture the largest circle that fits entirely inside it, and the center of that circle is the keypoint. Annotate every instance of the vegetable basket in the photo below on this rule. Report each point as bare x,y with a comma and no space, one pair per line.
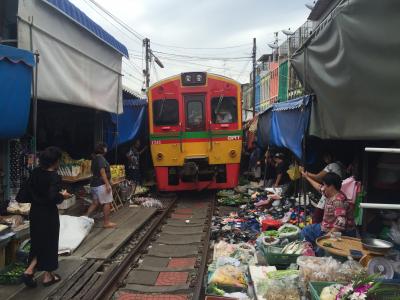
393,292
274,257
316,288
12,274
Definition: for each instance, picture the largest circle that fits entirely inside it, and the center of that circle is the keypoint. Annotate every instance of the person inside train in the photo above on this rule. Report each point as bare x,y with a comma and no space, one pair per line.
224,117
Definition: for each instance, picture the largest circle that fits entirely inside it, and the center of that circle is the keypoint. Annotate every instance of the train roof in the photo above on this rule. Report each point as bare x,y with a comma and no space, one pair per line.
178,76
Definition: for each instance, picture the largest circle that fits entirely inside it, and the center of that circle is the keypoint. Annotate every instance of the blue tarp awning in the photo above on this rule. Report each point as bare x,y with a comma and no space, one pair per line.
15,90
79,17
130,123
284,125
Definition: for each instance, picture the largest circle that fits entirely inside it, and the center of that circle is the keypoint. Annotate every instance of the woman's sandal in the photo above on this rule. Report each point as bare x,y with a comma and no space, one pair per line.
55,278
28,280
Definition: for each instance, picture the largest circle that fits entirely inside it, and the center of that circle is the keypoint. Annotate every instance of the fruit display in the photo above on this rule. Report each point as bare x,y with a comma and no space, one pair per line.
117,171
74,168
18,208
141,190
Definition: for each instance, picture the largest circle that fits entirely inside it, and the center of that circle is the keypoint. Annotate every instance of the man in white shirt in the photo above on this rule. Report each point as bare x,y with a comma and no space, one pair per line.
333,166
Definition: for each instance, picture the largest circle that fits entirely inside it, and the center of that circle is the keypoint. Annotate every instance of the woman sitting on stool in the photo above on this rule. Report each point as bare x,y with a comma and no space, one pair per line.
338,214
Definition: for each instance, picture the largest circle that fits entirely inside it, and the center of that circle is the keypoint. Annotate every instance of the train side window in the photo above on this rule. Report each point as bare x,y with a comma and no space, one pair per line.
166,112
224,110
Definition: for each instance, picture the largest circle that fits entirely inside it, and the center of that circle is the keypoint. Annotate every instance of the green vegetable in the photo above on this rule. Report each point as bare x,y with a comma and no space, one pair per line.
288,230
282,274
213,289
273,233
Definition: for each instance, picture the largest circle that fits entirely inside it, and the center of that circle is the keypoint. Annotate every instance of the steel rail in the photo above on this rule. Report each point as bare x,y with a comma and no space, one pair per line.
203,264
114,276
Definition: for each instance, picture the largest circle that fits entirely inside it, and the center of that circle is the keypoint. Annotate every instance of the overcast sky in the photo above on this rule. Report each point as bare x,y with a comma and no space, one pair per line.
173,25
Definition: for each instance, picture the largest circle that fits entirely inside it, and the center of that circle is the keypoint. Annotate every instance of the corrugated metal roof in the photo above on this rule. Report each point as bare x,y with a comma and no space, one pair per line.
79,17
320,8
135,102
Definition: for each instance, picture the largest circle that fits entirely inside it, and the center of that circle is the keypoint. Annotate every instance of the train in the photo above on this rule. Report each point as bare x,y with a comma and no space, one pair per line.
195,123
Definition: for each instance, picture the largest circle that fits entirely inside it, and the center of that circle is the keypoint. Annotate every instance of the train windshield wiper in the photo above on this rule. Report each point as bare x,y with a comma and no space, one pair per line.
162,108
219,105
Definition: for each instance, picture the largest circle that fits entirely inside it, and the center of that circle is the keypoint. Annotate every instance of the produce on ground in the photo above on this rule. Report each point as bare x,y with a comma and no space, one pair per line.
12,274
229,278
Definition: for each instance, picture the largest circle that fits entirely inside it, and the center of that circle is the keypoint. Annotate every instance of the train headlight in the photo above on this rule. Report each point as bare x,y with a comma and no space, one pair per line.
232,153
160,156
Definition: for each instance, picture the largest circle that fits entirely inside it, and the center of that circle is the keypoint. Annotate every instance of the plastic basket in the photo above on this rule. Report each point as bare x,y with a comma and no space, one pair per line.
278,259
22,253
7,278
316,288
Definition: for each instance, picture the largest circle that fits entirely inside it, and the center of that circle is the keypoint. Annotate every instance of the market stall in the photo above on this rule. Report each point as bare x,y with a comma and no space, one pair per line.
16,69
258,253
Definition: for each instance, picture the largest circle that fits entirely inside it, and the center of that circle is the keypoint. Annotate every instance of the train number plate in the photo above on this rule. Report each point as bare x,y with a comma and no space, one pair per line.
156,142
234,138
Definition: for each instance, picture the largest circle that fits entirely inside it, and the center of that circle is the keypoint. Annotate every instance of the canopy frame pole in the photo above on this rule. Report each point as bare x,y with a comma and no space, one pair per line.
303,146
117,125
266,155
35,105
34,91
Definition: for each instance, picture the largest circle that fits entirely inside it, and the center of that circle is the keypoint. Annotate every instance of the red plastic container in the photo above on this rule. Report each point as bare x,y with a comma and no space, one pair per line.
270,224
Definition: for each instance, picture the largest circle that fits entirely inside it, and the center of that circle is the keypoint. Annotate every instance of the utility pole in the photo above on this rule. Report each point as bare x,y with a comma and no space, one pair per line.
254,76
149,55
146,72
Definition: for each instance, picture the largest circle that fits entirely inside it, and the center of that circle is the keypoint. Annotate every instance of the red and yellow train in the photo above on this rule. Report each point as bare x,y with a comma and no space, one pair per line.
195,131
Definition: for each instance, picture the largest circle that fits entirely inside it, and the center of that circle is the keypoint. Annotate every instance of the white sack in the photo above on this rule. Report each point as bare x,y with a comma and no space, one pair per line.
73,230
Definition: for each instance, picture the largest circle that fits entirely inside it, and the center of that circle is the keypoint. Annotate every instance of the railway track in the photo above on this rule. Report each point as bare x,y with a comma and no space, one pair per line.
167,259
173,262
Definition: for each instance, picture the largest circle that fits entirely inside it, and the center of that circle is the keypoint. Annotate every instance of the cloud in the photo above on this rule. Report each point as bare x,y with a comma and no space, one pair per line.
198,23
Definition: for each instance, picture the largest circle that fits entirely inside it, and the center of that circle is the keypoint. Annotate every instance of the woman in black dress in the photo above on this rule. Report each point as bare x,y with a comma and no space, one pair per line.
44,190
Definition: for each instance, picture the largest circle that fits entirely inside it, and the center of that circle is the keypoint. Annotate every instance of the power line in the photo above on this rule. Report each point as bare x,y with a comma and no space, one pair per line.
97,10
179,63
202,48
244,69
132,65
141,37
202,57
133,76
119,21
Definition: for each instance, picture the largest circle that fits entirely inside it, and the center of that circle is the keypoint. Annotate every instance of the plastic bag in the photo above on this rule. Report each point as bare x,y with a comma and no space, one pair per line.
237,295
294,172
394,232
282,285
317,269
289,231
245,253
229,277
348,270
222,261
223,249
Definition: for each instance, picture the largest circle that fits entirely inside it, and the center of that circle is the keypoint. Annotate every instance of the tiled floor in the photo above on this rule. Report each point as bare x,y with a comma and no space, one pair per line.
172,278
129,296
182,262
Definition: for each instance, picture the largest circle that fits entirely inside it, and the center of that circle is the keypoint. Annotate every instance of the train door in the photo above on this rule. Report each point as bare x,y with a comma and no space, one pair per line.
195,113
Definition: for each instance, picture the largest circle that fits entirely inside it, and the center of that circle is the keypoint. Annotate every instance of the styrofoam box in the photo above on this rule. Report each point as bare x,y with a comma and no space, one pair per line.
67,203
